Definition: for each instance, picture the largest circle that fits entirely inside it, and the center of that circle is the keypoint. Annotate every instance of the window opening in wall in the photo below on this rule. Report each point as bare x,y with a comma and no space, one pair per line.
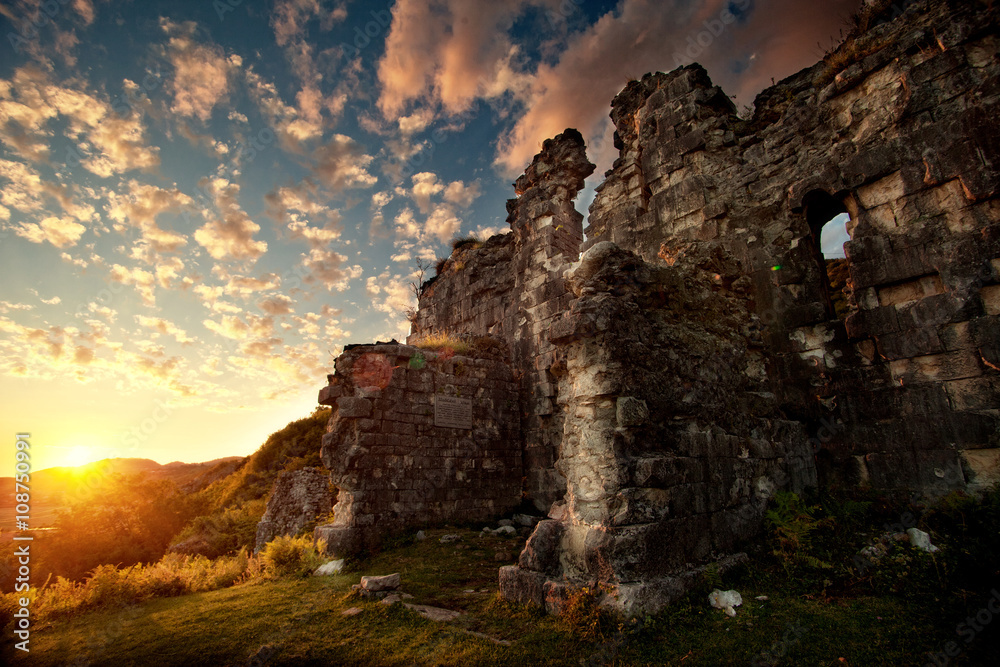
828,220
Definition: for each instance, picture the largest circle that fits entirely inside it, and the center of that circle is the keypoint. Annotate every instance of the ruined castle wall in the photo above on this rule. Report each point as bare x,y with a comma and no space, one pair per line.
661,473
418,438
898,128
512,287
472,294
299,497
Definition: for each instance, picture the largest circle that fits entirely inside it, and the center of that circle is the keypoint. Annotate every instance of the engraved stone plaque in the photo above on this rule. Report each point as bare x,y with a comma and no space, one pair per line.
452,412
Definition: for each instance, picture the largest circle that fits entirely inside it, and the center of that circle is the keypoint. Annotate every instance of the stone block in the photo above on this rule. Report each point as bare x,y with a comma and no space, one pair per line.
982,467
910,290
351,407
980,393
631,411
911,343
885,190
542,550
329,394
936,368
990,295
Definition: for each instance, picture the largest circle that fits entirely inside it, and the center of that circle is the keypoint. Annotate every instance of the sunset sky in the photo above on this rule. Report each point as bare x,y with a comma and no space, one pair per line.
202,202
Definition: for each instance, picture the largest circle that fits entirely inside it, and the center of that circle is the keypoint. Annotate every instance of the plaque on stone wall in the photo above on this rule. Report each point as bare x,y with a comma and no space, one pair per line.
452,412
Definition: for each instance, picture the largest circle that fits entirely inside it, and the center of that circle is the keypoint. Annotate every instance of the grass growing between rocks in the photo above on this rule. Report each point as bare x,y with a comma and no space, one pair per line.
894,614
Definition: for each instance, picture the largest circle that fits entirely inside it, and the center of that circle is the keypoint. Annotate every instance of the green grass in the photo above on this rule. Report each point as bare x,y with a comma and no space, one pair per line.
300,621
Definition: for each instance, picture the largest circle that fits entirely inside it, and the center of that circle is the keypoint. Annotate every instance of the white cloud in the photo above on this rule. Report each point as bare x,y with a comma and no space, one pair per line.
327,268
425,186
342,163
60,232
143,281
448,52
160,325
460,194
201,72
442,223
141,206
229,232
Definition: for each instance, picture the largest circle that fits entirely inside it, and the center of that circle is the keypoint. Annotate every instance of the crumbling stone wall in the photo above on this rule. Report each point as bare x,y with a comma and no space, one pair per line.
660,474
512,287
676,377
897,127
299,497
393,462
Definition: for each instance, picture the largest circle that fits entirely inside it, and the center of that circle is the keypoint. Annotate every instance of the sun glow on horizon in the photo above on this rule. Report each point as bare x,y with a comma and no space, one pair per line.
79,451
79,455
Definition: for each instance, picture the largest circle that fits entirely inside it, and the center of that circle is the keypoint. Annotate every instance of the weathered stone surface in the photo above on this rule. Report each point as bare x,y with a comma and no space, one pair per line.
512,288
436,614
373,584
541,552
660,389
700,355
522,586
394,468
298,498
349,407
329,568
631,411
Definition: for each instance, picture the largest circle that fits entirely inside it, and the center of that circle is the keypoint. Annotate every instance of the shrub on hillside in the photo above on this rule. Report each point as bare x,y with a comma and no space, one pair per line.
290,555
222,532
109,586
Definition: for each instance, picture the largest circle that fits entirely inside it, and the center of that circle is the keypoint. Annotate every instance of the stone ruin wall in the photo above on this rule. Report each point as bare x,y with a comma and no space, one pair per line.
902,134
660,474
665,388
394,466
297,499
512,288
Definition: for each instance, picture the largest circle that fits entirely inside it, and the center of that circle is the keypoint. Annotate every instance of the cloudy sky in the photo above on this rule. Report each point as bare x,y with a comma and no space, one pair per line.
202,202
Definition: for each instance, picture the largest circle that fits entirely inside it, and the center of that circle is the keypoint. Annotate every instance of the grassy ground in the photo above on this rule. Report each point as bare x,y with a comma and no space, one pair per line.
300,621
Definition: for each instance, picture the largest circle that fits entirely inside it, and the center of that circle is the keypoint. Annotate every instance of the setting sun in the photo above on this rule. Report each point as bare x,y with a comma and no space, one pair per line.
80,452
79,455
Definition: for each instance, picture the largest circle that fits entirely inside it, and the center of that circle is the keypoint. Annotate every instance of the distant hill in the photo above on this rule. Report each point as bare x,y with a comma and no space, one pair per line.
226,497
53,486
233,500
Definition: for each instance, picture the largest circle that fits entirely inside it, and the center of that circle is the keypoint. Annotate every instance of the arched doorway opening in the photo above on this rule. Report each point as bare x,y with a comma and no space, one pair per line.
828,219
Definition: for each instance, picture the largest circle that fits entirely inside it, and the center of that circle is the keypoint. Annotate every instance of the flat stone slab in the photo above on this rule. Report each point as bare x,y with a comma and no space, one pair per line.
353,611
433,613
329,568
389,582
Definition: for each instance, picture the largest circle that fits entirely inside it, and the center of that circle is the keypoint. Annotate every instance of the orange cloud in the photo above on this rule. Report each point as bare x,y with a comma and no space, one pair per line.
229,235
449,52
201,72
777,39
